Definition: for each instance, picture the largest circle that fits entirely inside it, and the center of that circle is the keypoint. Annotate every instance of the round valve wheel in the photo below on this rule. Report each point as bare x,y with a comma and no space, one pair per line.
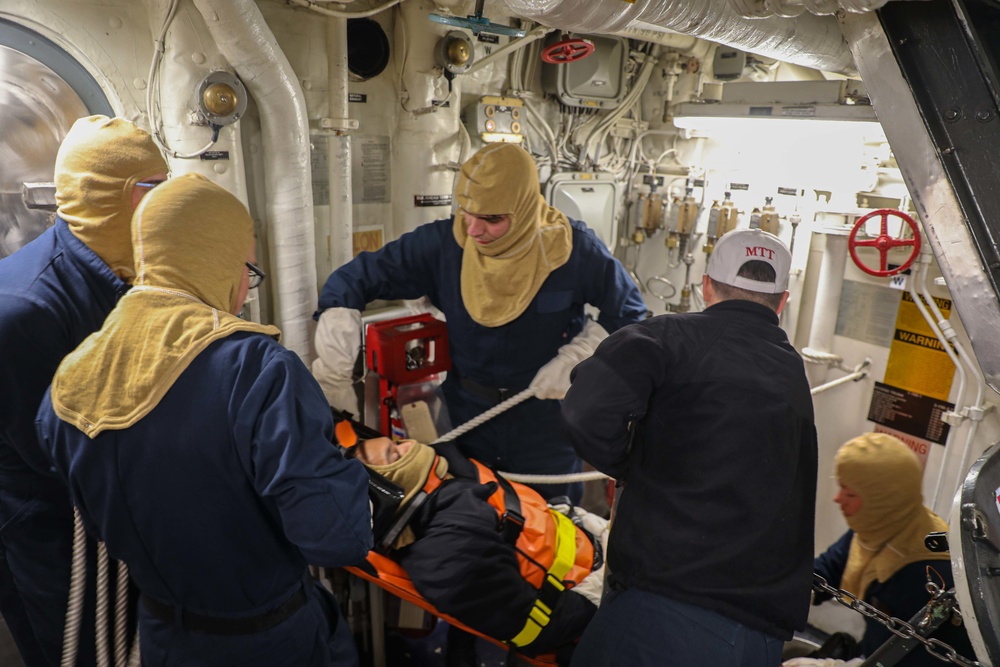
884,243
567,51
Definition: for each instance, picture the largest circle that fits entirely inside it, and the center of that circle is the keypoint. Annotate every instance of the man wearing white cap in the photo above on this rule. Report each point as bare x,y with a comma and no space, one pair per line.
706,421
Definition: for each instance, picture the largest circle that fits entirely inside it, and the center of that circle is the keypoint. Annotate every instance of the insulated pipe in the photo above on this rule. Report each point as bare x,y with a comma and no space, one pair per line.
915,276
974,412
831,283
244,39
340,223
812,41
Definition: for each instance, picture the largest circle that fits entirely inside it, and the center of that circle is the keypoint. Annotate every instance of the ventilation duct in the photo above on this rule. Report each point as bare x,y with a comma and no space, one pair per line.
245,40
808,40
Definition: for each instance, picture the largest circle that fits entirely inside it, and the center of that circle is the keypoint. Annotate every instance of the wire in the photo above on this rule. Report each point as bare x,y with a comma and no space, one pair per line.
927,572
402,65
159,48
314,5
599,134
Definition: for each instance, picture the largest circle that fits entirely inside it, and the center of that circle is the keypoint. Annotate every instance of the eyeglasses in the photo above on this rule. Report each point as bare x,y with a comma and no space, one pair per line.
256,275
147,184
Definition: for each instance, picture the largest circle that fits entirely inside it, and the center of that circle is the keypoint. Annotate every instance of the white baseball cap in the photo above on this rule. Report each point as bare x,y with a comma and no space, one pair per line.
740,246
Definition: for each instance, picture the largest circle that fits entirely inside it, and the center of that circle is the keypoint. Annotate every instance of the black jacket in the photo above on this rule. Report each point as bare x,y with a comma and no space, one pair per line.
463,566
719,495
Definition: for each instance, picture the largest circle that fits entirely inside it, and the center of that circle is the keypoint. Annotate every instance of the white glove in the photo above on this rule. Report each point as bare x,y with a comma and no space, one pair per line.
592,586
338,341
596,525
821,662
552,380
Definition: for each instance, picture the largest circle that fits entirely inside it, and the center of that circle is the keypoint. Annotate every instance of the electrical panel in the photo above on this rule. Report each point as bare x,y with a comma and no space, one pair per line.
728,63
590,198
594,82
495,119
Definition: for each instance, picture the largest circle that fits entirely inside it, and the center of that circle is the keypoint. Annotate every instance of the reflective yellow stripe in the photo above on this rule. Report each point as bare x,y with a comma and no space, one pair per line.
565,546
540,613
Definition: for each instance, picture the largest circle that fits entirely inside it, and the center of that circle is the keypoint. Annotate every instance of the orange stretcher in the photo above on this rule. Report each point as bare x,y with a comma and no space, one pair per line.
552,540
553,552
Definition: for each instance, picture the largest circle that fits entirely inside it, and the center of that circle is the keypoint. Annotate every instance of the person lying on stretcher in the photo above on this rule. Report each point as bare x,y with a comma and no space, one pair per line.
530,576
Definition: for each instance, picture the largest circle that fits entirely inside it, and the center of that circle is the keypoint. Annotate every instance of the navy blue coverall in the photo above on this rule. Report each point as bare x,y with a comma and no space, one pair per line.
217,500
54,292
902,595
428,262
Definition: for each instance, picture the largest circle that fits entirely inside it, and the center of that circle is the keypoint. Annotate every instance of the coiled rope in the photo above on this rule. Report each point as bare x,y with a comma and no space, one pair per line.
75,604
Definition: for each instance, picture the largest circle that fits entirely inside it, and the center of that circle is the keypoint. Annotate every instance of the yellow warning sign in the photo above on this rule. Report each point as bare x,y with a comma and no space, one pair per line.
367,240
918,361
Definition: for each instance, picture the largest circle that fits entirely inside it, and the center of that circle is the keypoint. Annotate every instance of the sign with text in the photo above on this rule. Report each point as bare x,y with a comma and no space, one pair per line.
909,412
917,359
919,446
367,239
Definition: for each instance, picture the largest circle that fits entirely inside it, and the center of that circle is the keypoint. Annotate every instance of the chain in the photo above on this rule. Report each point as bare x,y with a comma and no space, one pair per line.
896,626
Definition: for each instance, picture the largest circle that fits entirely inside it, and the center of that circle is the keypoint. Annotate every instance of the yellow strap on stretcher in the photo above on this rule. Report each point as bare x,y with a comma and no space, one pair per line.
540,613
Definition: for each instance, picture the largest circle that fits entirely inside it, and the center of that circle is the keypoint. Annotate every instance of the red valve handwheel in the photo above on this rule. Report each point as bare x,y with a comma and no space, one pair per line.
883,242
567,51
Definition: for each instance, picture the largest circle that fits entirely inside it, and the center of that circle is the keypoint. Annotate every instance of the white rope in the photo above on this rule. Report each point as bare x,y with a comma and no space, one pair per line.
499,409
134,657
524,478
121,616
316,7
102,606
818,357
828,358
77,588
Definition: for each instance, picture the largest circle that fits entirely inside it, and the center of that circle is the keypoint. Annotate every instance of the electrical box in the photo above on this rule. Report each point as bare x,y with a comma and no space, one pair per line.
591,198
594,82
495,119
728,63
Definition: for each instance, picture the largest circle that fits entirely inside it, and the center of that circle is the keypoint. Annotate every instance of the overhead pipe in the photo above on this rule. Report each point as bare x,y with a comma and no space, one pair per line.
244,39
809,40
